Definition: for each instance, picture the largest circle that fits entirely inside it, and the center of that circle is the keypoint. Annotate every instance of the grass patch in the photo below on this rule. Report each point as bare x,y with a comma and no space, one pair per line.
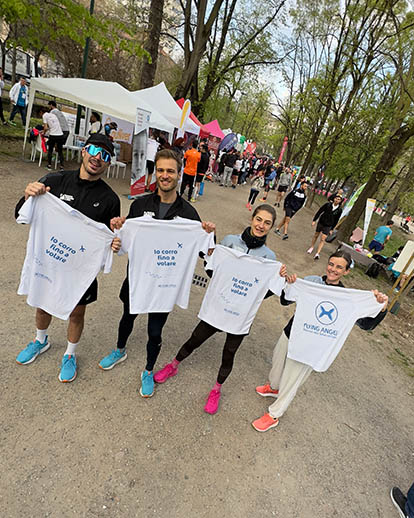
385,335
399,358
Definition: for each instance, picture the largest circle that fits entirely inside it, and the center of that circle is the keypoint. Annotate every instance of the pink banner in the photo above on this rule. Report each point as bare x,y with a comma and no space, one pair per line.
282,151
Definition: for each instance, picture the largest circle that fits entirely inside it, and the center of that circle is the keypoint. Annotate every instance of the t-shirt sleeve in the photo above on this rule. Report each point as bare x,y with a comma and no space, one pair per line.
125,235
107,266
25,214
369,307
291,291
211,261
207,242
277,283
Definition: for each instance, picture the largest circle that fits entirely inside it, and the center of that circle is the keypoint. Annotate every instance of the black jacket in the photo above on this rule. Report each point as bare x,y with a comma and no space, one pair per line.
295,200
150,203
94,199
230,159
202,166
327,216
367,323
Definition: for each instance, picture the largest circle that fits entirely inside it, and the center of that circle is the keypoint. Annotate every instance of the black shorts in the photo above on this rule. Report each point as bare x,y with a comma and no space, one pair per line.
90,295
289,213
322,228
199,178
150,167
282,188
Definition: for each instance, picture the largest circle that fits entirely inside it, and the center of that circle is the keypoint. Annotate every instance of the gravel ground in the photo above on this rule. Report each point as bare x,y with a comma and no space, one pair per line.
95,448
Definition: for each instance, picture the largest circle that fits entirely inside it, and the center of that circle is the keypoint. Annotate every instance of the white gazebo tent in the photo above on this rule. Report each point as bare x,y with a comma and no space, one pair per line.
104,96
160,97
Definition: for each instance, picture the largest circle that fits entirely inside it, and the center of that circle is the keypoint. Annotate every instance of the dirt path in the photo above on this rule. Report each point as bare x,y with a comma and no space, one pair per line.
96,448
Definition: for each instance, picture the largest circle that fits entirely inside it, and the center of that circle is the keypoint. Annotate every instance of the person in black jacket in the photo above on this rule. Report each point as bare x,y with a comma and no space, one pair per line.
328,216
164,203
202,168
287,375
293,202
85,191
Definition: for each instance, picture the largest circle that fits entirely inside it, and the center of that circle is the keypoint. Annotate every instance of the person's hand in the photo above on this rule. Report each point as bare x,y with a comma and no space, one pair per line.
35,189
283,271
208,226
381,298
290,279
313,223
210,251
116,223
330,232
116,244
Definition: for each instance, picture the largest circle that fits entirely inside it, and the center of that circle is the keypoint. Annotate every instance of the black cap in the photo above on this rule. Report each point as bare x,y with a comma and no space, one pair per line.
98,139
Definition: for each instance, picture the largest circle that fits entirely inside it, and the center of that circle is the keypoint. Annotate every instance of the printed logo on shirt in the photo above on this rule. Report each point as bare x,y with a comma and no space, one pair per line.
66,197
152,214
96,204
60,251
326,313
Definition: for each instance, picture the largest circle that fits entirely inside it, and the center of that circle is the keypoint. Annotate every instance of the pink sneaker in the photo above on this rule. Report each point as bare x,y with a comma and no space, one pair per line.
213,400
166,372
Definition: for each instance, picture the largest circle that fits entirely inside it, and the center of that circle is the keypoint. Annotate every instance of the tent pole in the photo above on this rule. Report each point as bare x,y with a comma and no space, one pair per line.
28,115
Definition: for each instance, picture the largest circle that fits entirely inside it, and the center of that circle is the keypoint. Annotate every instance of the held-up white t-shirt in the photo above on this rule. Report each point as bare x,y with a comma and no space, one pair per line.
323,320
65,252
237,288
162,258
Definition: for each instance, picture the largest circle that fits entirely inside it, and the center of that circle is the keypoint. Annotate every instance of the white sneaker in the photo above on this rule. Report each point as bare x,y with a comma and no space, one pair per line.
310,250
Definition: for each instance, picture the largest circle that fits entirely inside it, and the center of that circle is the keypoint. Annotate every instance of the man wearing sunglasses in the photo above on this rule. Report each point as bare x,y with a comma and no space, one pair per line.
85,191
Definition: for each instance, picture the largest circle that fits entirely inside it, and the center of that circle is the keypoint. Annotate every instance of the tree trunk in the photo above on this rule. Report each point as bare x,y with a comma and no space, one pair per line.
390,154
152,44
14,65
405,185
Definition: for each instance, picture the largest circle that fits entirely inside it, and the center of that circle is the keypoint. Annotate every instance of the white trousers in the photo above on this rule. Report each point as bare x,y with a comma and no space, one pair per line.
228,171
286,376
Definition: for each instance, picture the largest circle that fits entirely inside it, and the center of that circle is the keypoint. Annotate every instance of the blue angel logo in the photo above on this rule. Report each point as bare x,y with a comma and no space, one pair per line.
82,248
256,280
326,313
180,245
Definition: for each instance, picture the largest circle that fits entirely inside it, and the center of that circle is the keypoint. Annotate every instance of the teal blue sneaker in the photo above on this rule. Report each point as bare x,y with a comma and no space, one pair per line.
32,351
115,357
68,370
147,384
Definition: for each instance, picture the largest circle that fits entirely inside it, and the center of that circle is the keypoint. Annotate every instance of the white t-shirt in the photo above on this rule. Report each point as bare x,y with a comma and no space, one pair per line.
152,148
162,258
239,284
53,123
65,252
323,320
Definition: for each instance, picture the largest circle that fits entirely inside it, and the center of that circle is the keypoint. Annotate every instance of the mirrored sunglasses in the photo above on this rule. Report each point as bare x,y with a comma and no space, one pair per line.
95,150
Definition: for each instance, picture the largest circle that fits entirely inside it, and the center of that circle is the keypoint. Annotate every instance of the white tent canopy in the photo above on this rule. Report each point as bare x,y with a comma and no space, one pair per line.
104,96
160,97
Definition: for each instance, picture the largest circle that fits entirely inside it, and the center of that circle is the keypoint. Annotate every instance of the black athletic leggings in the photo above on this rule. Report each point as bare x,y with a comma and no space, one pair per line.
156,322
200,334
252,196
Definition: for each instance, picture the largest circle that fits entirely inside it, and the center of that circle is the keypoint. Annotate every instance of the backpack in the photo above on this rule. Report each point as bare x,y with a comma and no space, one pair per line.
373,270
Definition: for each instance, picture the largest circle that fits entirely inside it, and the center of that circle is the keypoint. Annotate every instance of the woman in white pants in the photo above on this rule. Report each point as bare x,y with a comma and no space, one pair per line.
287,375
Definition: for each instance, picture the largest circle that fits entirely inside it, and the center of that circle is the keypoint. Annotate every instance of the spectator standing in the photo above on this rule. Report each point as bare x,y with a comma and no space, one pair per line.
62,120
152,148
18,97
1,102
52,128
202,168
192,157
236,171
229,160
95,122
